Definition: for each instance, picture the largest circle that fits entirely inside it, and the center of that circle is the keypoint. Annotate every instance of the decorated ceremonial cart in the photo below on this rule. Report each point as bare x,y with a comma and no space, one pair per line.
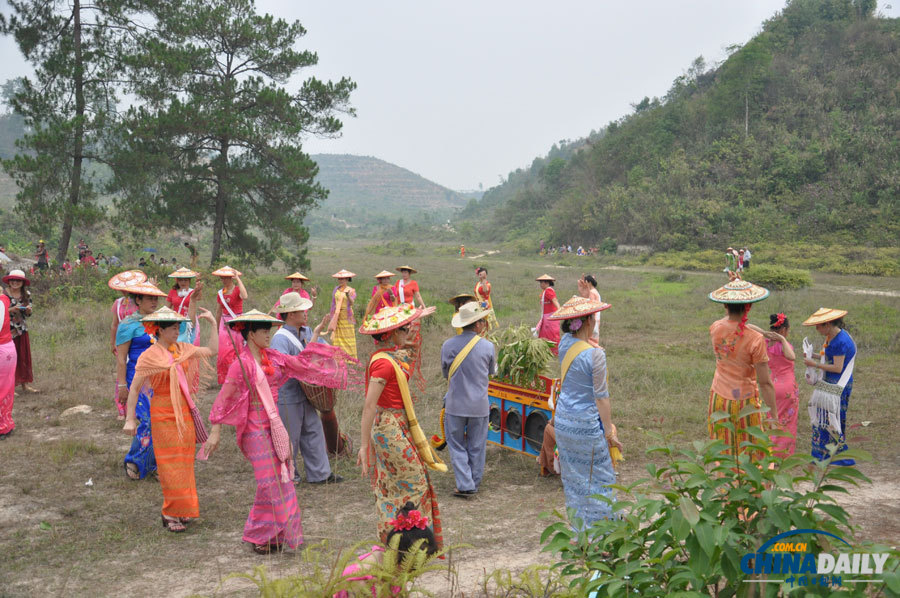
519,415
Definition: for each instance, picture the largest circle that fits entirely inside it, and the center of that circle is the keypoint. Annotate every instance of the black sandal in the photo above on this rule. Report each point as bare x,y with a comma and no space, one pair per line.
173,524
132,473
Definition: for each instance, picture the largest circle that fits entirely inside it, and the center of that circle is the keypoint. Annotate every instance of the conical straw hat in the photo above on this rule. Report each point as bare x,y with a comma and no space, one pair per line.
123,281
296,276
184,273
390,318
824,314
343,274
227,272
739,291
164,314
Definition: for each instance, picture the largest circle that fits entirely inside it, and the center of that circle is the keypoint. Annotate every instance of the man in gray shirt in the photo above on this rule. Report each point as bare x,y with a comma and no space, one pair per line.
466,407
298,415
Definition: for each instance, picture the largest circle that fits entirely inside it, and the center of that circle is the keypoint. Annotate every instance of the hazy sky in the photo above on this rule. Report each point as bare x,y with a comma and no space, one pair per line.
464,92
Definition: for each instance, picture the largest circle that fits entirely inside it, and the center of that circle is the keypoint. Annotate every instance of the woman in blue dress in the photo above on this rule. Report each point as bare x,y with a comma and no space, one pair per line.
132,340
583,421
839,352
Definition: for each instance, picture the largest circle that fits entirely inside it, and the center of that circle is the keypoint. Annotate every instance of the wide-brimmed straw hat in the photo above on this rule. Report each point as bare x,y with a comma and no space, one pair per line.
739,291
384,274
123,281
164,314
254,315
460,300
410,268
578,307
545,278
390,318
145,288
469,313
184,273
824,314
227,272
343,274
293,302
296,276
16,275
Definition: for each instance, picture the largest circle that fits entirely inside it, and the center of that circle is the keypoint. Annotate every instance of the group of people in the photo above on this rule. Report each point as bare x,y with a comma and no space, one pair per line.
566,249
270,367
737,260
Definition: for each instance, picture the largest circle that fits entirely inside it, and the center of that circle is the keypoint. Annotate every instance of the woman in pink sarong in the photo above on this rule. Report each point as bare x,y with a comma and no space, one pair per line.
248,402
7,370
546,328
787,394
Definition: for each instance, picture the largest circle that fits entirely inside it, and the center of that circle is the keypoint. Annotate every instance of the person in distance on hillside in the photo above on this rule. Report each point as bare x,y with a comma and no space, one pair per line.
467,361
747,257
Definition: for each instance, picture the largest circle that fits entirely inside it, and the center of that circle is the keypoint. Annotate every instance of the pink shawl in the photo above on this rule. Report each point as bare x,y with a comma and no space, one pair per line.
318,364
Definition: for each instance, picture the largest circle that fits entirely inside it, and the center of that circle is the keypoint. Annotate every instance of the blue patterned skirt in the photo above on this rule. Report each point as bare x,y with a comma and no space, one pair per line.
141,452
585,465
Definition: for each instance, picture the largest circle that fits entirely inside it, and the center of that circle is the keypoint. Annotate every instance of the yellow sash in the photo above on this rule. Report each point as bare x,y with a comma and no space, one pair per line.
461,356
574,351
431,460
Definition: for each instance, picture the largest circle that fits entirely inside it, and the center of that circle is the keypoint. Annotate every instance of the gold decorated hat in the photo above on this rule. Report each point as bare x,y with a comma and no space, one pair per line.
410,268
296,276
145,288
184,273
343,274
254,315
460,300
545,278
578,307
739,291
384,274
226,272
123,281
824,314
390,318
164,314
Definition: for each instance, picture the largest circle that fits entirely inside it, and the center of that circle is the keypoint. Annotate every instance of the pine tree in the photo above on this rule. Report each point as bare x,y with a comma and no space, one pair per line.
217,138
66,106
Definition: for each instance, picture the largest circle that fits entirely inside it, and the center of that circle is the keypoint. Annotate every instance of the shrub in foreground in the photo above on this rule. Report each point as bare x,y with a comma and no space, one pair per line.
685,529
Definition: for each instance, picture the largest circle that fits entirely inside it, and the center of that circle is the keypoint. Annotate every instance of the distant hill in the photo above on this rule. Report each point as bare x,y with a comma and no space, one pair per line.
792,137
366,191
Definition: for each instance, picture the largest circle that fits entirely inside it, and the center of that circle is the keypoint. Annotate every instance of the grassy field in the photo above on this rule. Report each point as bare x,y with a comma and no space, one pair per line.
63,537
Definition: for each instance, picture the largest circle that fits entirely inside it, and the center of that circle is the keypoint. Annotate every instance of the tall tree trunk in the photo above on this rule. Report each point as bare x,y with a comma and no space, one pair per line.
78,146
221,200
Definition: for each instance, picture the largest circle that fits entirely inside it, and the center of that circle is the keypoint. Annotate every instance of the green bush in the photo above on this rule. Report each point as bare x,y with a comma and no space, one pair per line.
683,531
778,277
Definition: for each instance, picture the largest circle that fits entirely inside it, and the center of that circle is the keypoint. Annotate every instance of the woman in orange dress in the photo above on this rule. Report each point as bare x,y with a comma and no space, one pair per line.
483,292
171,369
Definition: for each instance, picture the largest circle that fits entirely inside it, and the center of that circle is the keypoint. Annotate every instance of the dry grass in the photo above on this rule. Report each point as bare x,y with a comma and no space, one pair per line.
62,537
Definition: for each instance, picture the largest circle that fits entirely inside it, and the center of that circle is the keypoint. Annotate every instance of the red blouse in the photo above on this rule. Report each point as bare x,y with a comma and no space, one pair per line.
390,398
549,295
174,301
234,301
409,291
5,332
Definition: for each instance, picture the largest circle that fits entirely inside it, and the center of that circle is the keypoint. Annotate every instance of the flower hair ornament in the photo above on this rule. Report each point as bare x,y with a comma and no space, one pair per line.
576,324
151,328
237,327
779,320
413,519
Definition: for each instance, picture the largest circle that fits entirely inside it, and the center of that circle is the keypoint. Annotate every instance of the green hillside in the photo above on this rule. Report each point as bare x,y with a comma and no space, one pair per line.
793,137
367,192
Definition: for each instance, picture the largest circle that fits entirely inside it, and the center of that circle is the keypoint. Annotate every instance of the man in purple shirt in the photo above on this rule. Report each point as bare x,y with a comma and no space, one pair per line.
467,361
